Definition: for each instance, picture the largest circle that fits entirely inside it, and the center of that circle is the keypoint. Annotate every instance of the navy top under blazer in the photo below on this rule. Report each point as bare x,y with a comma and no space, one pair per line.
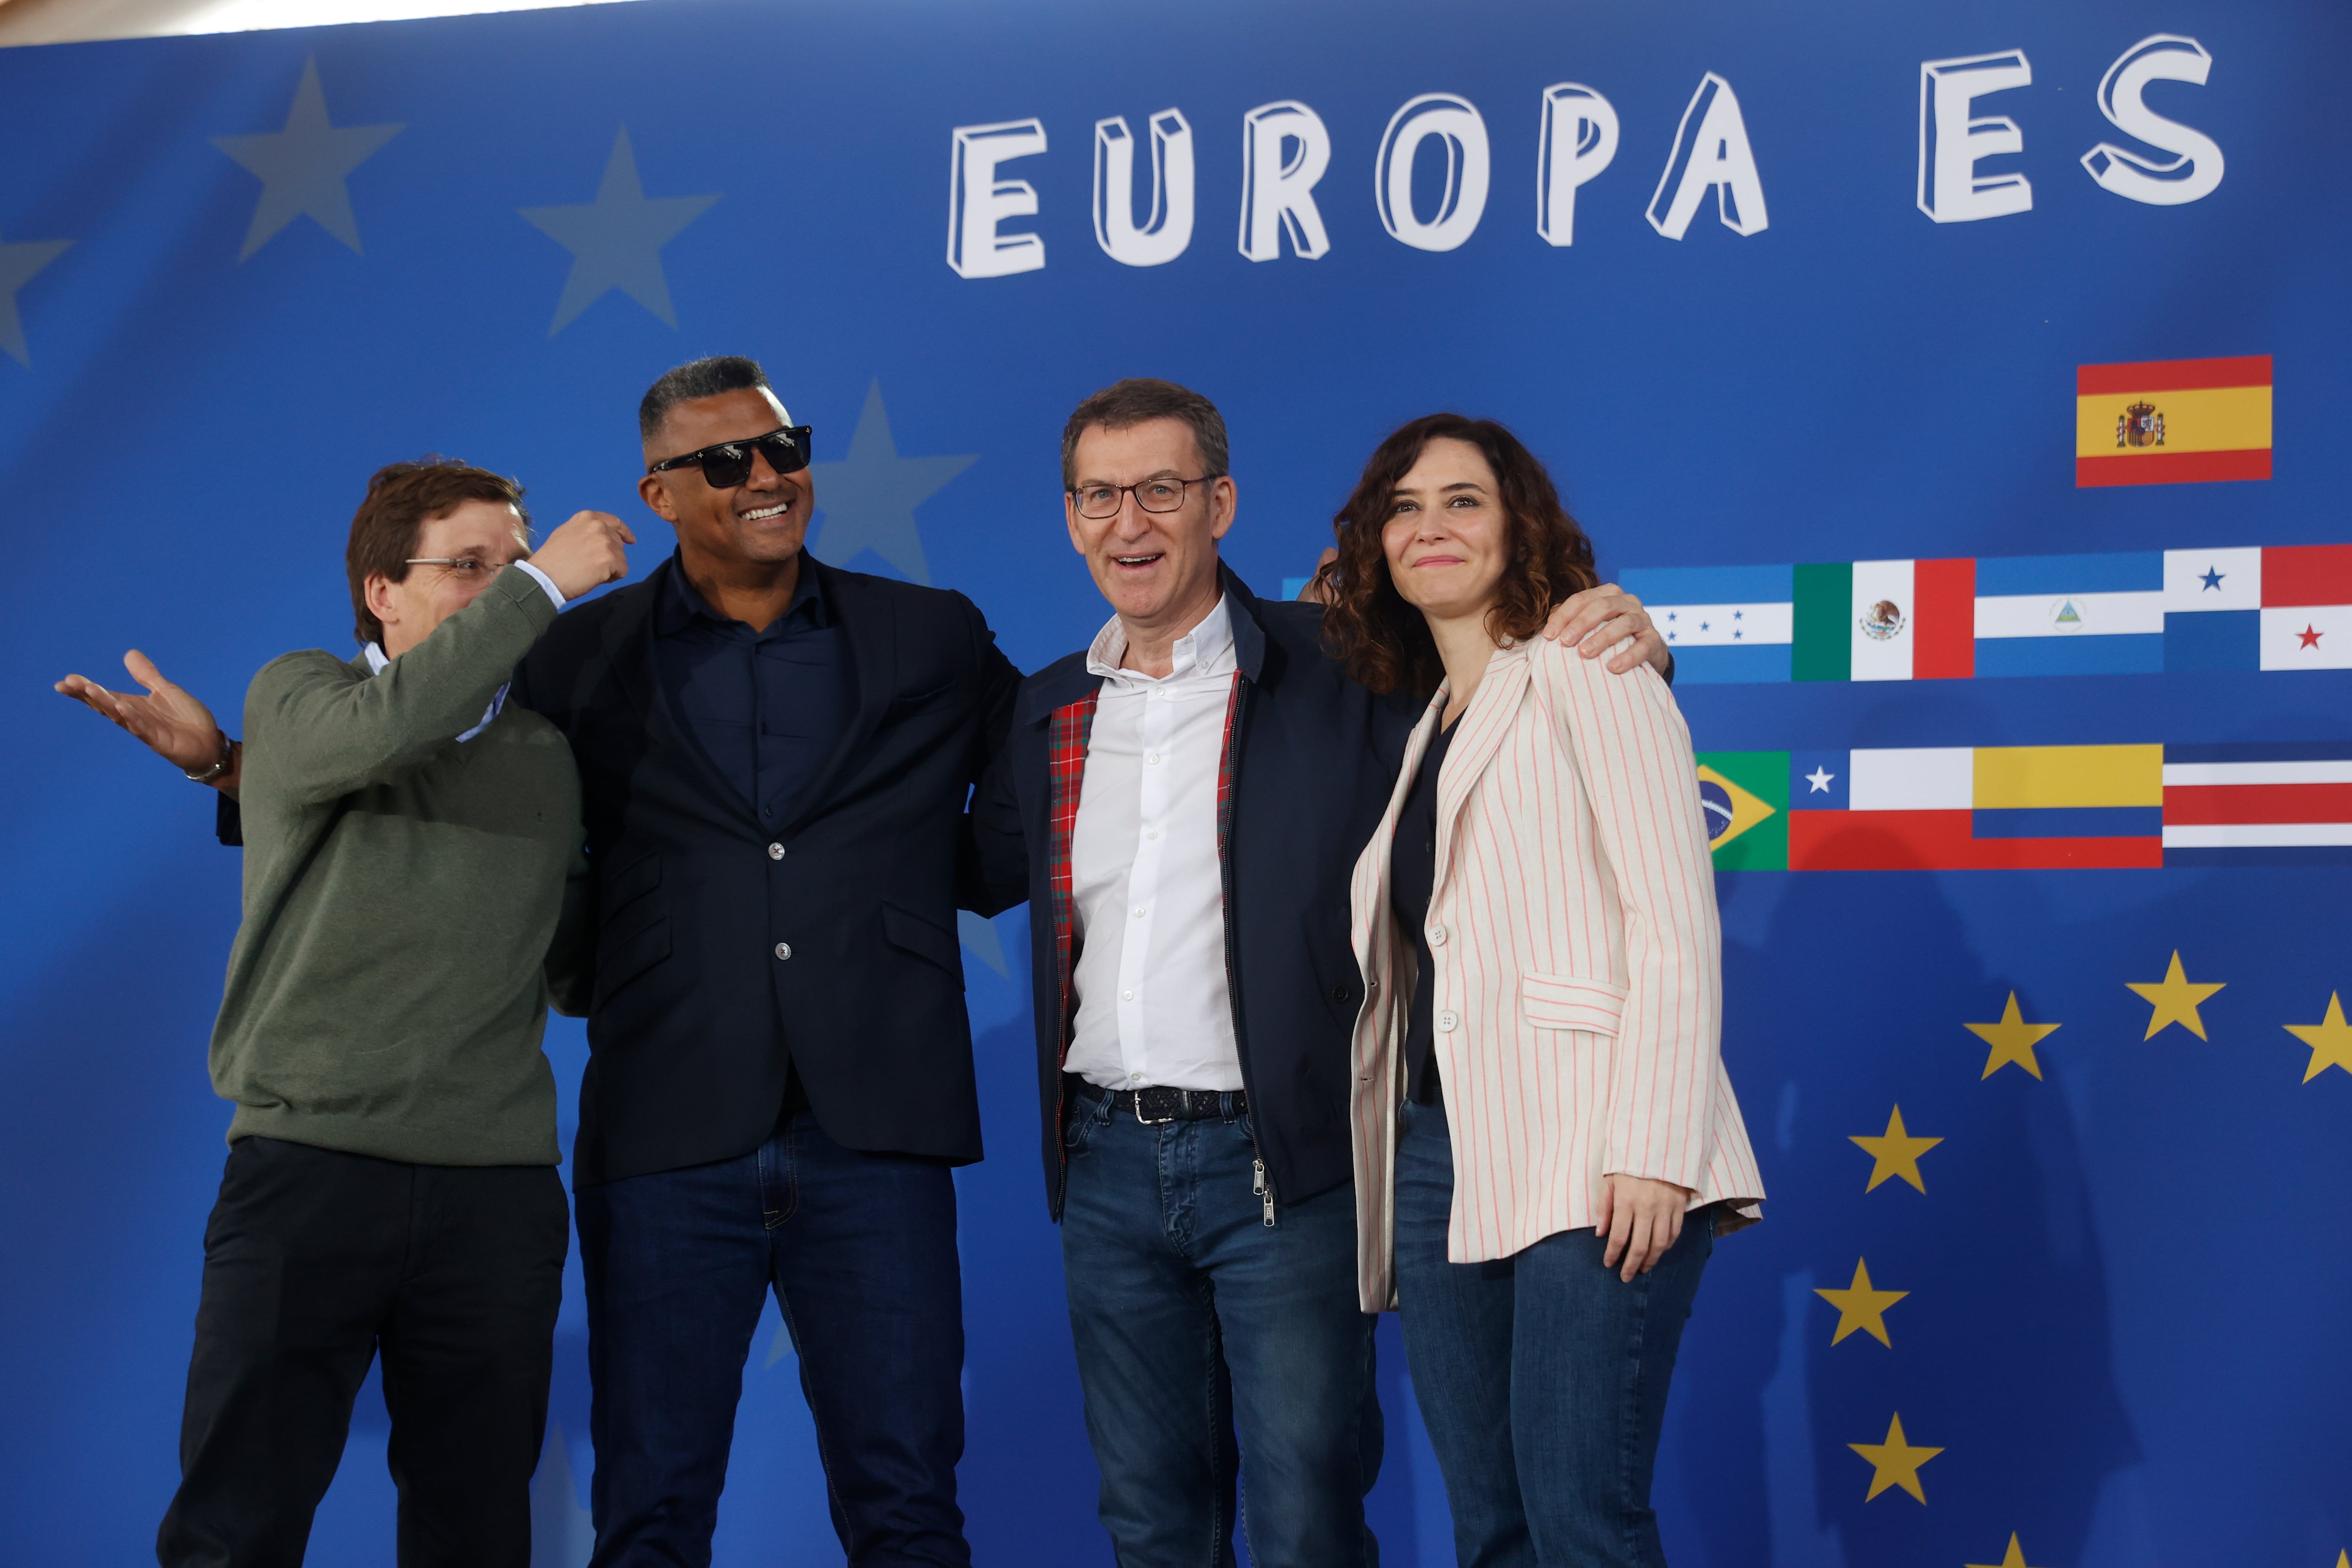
722,940
1316,755
768,706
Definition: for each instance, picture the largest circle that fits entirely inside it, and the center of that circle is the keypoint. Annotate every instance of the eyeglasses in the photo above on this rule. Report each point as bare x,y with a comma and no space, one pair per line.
463,567
1101,501
729,463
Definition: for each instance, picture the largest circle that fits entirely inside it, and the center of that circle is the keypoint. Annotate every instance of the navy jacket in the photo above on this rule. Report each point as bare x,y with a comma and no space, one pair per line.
1314,758
696,1002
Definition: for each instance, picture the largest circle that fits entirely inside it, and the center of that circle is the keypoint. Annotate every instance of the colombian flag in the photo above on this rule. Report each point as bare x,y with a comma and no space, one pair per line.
2168,422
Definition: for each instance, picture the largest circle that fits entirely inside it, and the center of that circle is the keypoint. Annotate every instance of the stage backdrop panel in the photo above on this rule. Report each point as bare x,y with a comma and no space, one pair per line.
1967,385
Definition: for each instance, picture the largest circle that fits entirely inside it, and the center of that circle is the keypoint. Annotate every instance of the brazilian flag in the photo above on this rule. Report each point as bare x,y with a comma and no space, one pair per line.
1745,798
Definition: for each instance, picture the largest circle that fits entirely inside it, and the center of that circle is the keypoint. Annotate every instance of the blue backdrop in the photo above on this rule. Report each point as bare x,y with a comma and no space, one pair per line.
238,273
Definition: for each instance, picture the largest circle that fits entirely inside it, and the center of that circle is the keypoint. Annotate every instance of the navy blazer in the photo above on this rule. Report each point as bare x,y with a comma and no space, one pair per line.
721,945
1315,754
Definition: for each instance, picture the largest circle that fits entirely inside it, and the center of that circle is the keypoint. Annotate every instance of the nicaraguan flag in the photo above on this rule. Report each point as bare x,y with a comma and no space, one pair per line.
2070,615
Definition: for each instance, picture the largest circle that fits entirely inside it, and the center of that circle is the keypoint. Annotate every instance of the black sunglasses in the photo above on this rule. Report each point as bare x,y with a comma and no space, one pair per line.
729,463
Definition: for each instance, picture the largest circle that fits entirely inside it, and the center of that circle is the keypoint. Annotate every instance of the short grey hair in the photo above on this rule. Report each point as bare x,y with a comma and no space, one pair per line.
702,378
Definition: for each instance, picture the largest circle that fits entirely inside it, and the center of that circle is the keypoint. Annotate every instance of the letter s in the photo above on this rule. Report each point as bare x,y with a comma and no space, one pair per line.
2194,168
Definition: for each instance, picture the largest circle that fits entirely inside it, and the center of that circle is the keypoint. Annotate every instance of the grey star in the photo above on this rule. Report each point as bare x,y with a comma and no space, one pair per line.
869,497
616,240
301,168
19,263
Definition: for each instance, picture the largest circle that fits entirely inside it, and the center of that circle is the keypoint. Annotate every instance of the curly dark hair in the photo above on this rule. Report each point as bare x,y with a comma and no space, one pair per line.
1384,642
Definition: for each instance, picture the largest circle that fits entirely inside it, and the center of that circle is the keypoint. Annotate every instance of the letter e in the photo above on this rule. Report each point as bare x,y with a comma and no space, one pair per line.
1951,142
978,201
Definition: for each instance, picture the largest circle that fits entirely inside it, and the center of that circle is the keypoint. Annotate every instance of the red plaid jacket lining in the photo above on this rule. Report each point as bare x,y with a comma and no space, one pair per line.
1067,740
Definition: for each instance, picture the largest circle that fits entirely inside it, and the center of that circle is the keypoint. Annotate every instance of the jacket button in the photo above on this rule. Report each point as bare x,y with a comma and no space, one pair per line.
1437,936
775,851
785,950
1338,994
1446,1022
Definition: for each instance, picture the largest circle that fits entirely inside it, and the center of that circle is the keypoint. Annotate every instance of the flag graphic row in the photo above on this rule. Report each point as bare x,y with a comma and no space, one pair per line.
1987,808
2127,613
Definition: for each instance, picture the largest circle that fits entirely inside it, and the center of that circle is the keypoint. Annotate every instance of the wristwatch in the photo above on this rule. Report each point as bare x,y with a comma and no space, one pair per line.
227,761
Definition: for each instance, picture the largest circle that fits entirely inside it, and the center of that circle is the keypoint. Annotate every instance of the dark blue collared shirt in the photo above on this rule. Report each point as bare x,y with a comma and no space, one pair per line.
768,706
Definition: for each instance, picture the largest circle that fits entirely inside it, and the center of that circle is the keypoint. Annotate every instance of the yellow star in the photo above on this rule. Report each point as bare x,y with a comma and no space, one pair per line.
2176,1000
1861,1307
2013,1558
1897,1152
1897,1462
2330,1040
2012,1039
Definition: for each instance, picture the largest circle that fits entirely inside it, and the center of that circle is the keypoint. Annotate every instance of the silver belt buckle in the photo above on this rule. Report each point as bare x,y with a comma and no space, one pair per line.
1143,1120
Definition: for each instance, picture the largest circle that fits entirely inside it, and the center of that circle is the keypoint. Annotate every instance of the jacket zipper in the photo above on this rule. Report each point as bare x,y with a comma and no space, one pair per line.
1261,1184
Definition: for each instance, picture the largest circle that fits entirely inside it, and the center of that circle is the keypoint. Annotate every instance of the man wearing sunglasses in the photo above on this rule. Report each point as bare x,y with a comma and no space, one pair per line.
774,757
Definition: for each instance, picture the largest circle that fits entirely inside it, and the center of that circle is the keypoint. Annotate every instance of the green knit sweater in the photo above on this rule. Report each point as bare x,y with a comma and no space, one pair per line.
408,899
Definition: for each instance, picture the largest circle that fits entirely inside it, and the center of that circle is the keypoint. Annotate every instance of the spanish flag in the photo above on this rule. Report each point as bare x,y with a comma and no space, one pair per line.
2169,422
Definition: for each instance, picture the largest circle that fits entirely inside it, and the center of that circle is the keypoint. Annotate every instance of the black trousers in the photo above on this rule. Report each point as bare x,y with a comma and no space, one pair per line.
314,1261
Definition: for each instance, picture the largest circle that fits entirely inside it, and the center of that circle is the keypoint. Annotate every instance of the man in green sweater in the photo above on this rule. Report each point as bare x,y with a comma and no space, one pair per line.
414,881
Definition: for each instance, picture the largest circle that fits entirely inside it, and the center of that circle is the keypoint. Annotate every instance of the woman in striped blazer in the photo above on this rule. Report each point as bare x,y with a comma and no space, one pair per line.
1546,1141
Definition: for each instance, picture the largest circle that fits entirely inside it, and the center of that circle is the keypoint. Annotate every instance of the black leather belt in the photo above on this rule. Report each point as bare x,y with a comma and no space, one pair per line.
1157,1104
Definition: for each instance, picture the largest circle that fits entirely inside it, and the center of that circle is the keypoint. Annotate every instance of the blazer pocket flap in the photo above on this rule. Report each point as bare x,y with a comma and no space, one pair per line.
905,928
626,886
620,961
1565,1002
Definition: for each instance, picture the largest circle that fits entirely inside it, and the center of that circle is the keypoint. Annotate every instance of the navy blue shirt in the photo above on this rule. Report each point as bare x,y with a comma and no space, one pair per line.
767,707
1412,877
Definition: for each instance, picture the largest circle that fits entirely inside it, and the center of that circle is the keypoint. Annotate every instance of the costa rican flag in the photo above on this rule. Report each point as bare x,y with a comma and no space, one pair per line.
2261,804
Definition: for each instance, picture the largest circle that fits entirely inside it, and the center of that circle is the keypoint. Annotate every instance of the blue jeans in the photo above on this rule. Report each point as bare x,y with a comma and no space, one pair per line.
860,1250
1541,1376
1195,1322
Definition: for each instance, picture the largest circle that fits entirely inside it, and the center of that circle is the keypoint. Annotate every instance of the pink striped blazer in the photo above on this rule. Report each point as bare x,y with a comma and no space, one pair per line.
1578,989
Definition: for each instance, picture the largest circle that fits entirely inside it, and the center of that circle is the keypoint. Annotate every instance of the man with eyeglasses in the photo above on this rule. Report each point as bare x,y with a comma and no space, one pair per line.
774,759
413,889
1181,805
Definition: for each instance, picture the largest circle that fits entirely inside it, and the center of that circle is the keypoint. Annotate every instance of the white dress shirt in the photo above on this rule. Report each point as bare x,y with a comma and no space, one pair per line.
376,659
1145,883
